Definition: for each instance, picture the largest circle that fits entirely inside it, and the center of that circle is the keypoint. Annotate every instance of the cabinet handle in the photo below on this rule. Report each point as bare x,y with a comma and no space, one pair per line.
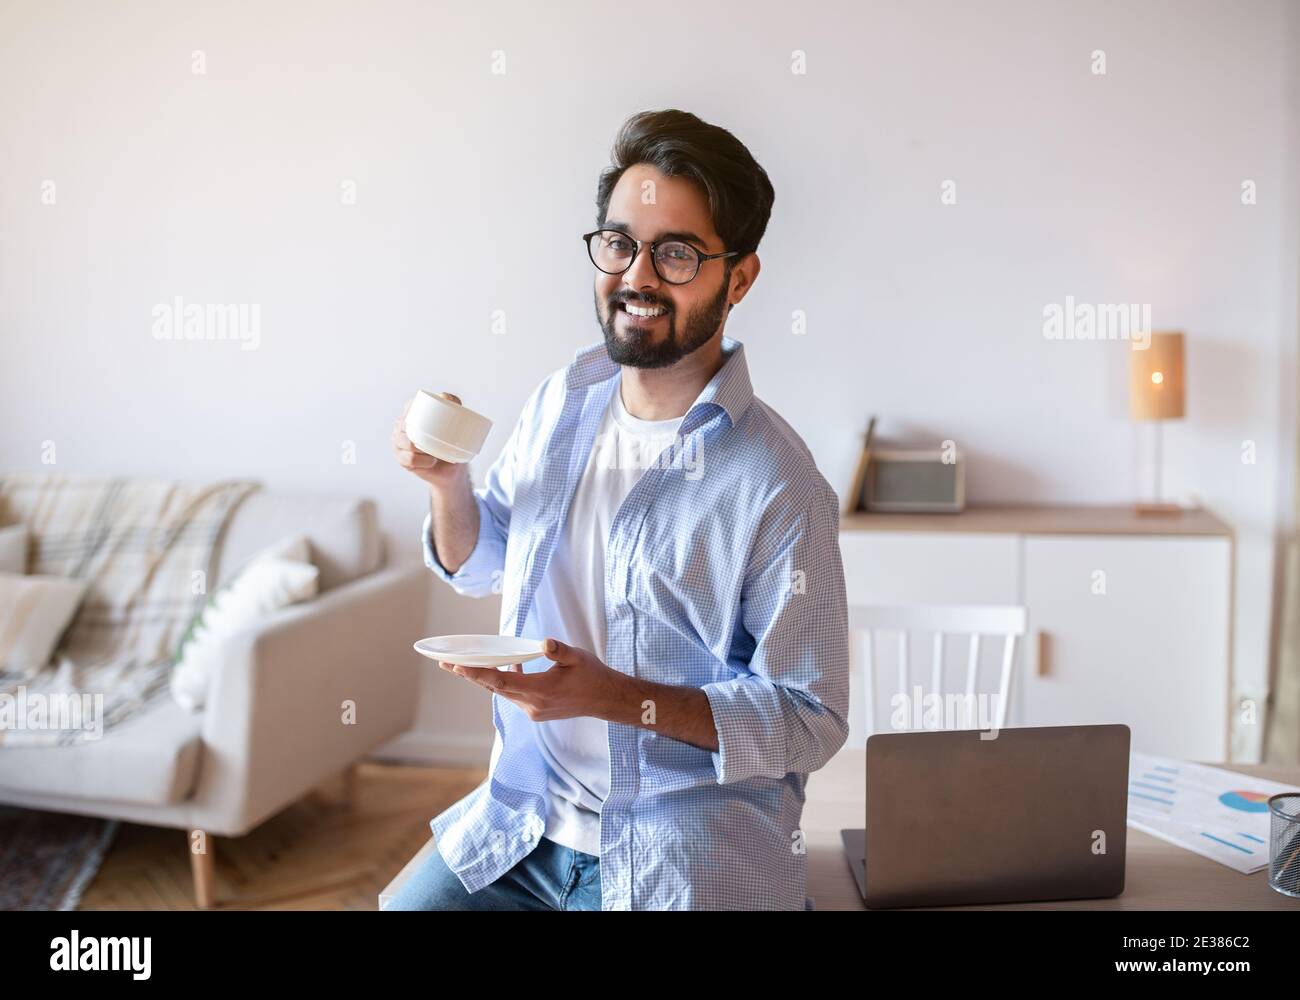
1041,667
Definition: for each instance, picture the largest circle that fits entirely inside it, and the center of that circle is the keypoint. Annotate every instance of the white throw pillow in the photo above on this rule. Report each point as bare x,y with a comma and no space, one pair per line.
295,548
34,612
272,579
13,549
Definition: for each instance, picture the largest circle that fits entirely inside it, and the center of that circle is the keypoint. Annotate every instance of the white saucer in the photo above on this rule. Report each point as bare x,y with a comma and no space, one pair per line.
480,650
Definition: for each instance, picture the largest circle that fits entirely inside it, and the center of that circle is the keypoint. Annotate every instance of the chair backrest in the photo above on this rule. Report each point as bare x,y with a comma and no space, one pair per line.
941,621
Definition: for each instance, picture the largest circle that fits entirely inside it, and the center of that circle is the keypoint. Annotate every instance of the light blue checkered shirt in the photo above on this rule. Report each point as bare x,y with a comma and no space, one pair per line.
722,572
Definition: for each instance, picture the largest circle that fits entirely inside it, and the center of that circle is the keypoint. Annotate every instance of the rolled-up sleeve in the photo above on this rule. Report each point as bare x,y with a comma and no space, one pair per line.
789,711
475,577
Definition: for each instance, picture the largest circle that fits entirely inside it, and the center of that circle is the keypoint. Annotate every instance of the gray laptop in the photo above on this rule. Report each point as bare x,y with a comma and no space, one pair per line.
1034,814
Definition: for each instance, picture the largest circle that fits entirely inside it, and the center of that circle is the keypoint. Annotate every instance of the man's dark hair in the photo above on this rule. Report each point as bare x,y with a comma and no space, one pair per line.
678,144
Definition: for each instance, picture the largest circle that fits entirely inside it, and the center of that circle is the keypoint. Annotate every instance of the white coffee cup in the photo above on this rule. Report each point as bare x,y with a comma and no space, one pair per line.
438,424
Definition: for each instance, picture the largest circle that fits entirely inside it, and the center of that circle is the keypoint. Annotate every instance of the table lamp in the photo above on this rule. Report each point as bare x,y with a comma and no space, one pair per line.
1157,393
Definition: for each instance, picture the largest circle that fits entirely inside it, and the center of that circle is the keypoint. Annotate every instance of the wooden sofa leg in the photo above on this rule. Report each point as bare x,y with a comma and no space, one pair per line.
204,867
350,787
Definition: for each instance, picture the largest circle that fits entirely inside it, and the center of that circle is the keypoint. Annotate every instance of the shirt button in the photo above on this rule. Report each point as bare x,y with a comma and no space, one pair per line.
625,760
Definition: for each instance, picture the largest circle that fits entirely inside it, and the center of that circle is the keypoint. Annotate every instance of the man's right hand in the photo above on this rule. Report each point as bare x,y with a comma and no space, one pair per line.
433,471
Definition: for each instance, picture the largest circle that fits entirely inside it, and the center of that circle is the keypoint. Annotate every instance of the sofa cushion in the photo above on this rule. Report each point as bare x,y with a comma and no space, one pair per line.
34,612
151,758
343,532
276,578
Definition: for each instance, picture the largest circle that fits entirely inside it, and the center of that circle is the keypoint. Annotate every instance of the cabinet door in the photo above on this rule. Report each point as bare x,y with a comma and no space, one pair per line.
1134,630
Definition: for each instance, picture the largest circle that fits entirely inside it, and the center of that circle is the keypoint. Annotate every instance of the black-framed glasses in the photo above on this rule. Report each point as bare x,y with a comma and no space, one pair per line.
675,261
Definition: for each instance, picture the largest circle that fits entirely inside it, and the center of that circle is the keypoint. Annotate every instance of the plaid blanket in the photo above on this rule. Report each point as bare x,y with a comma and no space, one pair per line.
148,549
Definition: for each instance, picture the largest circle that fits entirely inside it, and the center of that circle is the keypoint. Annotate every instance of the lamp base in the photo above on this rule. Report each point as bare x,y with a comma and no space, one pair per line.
1158,509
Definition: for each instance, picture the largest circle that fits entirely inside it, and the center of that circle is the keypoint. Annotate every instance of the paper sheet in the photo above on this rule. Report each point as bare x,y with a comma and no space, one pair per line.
1220,814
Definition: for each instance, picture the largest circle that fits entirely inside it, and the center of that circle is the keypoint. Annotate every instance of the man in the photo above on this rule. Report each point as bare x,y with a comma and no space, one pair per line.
672,540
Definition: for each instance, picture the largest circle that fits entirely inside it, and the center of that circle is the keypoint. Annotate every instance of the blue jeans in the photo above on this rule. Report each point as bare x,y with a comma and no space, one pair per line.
550,877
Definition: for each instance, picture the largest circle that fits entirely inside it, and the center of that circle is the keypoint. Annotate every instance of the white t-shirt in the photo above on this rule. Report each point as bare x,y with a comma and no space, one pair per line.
570,605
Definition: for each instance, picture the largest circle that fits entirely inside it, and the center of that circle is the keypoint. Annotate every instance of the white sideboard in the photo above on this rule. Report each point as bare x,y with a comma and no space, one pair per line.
1129,615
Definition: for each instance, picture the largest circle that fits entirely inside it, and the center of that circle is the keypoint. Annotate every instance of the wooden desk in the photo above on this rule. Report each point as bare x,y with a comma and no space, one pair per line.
1159,876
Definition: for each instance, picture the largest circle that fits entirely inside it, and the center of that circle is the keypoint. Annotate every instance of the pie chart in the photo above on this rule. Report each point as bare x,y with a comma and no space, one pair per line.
1251,802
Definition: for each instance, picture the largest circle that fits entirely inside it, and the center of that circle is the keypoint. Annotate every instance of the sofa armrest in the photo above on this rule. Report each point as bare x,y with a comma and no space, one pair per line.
310,690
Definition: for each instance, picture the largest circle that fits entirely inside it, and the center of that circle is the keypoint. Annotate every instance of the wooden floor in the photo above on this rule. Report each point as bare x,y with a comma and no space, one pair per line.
316,855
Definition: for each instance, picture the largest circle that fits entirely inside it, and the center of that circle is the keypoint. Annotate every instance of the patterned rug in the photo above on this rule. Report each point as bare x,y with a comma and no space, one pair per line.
47,859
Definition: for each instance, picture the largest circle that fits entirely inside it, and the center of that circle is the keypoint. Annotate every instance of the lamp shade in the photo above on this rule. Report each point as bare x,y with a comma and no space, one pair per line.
1157,379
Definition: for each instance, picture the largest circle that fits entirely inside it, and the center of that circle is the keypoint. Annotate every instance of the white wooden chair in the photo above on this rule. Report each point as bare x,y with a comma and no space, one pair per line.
940,621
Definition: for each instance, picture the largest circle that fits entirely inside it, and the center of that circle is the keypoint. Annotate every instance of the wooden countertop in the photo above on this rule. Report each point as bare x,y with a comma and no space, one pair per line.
1159,875
1044,519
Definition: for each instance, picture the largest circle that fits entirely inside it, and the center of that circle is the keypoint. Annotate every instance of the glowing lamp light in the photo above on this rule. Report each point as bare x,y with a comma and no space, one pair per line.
1158,380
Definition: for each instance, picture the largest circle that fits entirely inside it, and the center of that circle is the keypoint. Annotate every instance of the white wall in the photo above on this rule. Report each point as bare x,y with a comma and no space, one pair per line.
472,189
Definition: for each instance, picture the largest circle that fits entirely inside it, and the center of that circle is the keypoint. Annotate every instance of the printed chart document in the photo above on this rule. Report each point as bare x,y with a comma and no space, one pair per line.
1219,814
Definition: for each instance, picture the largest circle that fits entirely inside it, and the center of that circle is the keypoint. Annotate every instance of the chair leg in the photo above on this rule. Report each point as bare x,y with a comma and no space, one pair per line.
204,868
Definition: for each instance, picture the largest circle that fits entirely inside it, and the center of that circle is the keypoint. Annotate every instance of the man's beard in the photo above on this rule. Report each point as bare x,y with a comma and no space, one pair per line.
700,325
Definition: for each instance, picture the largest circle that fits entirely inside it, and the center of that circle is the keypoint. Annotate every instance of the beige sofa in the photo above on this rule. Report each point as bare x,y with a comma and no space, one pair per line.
273,727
